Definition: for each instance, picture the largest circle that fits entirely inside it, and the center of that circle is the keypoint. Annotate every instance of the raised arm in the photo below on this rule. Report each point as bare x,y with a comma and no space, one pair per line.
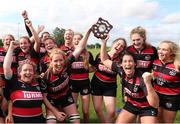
25,17
152,97
8,60
82,44
103,54
40,28
35,36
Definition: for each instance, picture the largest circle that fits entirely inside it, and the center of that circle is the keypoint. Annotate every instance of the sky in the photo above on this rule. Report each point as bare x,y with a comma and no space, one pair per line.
160,18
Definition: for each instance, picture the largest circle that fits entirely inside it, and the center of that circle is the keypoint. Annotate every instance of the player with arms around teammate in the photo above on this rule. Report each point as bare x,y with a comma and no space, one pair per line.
55,85
141,100
24,91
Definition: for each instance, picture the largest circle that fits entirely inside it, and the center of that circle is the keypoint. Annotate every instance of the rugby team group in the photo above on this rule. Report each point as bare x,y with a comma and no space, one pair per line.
36,71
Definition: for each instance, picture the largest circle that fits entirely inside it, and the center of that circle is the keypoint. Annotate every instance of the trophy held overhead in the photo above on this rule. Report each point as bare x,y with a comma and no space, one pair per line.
101,28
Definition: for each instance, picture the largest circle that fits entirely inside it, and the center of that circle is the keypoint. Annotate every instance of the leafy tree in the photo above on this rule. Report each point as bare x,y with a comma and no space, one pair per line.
58,34
90,46
97,45
1,44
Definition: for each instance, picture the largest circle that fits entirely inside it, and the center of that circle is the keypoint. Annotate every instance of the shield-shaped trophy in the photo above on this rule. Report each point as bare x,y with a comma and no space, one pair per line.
101,28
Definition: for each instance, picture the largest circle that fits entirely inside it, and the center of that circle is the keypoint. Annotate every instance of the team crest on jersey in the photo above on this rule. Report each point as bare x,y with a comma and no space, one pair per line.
71,87
155,67
85,91
43,85
65,74
23,85
38,88
148,57
160,83
153,112
135,88
172,72
168,105
70,99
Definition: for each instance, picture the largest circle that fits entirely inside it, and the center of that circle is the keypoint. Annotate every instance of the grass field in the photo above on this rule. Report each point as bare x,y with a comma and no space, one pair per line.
93,117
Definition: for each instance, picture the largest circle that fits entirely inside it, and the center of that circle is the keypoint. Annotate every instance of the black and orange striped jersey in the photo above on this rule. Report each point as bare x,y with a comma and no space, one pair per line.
27,98
57,85
144,58
80,68
103,73
44,63
13,66
134,88
67,50
31,55
166,79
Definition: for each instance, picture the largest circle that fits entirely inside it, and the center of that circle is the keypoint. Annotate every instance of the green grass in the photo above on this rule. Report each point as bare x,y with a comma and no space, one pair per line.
93,117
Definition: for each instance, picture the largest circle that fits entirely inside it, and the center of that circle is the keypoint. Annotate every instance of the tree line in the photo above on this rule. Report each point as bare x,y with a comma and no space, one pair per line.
58,34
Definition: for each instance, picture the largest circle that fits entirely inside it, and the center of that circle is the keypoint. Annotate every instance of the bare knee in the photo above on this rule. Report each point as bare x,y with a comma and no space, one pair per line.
112,114
98,110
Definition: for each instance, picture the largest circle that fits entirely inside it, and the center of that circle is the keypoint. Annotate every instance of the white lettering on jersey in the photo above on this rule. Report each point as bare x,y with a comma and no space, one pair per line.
32,95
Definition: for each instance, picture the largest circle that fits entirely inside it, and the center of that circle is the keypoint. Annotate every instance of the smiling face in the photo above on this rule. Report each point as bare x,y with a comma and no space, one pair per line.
57,63
76,39
118,46
68,37
164,52
24,44
49,45
138,41
7,40
26,73
44,36
128,65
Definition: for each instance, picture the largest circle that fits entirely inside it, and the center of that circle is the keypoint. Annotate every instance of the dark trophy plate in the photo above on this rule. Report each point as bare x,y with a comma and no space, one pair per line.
101,28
